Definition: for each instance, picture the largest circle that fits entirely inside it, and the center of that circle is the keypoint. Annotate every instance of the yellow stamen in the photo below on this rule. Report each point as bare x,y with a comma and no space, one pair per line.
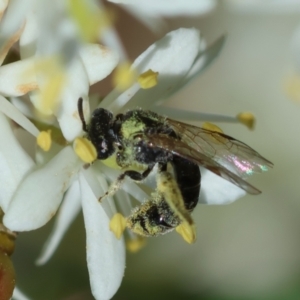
124,76
211,127
187,231
117,225
148,79
85,150
44,140
247,119
90,19
136,244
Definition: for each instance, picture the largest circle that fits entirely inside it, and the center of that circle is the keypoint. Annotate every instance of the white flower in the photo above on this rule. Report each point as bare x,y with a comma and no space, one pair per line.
57,67
178,57
151,13
170,7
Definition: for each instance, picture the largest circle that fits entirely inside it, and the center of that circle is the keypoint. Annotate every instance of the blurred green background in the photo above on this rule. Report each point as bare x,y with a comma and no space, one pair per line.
246,250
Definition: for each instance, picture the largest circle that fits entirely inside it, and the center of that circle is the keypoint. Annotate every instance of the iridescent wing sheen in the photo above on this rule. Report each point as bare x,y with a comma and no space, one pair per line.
217,152
232,154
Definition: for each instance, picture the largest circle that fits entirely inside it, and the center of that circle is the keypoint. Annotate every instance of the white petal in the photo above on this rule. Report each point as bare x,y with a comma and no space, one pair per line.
98,184
29,36
111,38
76,87
215,190
129,185
18,295
172,7
17,78
105,254
203,60
3,5
172,57
98,61
67,213
59,33
40,193
13,113
15,163
14,16
12,24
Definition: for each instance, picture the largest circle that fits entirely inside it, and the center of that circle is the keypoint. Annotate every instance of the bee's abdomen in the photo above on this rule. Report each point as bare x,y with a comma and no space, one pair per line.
188,178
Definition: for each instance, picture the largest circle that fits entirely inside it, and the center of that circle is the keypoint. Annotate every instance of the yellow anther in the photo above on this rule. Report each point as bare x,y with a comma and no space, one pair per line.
211,127
148,79
136,244
187,231
44,140
124,76
117,225
85,150
247,119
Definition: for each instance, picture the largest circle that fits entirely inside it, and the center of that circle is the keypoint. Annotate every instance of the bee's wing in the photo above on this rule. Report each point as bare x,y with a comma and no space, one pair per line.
182,149
232,154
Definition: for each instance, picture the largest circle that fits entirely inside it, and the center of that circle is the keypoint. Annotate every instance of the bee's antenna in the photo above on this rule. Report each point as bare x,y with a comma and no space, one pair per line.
80,111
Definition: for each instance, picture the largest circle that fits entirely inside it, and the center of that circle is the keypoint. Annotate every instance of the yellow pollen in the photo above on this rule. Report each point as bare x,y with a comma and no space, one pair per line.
124,76
136,244
187,231
117,225
247,119
211,127
44,140
85,150
148,79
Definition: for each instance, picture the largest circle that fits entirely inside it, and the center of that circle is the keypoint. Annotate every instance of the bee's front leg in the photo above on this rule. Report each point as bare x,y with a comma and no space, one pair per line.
134,175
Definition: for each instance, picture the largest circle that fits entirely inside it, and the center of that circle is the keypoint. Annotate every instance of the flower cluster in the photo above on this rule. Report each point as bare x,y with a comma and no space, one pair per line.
57,65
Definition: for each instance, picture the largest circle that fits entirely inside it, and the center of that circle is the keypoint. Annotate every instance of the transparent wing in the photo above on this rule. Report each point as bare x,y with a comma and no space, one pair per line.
230,153
180,148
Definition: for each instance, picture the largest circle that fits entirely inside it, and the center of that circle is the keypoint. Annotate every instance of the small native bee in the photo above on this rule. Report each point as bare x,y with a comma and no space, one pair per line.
138,140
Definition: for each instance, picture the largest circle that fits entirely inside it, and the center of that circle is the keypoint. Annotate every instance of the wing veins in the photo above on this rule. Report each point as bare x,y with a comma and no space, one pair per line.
180,148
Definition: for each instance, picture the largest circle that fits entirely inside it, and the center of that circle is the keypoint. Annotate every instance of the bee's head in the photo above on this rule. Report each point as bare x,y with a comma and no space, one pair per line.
101,134
152,218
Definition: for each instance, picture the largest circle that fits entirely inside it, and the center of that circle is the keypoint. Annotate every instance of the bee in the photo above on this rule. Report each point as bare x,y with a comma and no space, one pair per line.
139,140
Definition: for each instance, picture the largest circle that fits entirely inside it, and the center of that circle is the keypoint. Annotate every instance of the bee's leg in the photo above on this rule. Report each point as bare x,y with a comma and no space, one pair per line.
168,187
134,175
81,115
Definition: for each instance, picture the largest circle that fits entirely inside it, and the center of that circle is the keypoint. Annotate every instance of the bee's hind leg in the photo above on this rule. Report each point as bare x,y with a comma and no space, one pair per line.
168,187
134,175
